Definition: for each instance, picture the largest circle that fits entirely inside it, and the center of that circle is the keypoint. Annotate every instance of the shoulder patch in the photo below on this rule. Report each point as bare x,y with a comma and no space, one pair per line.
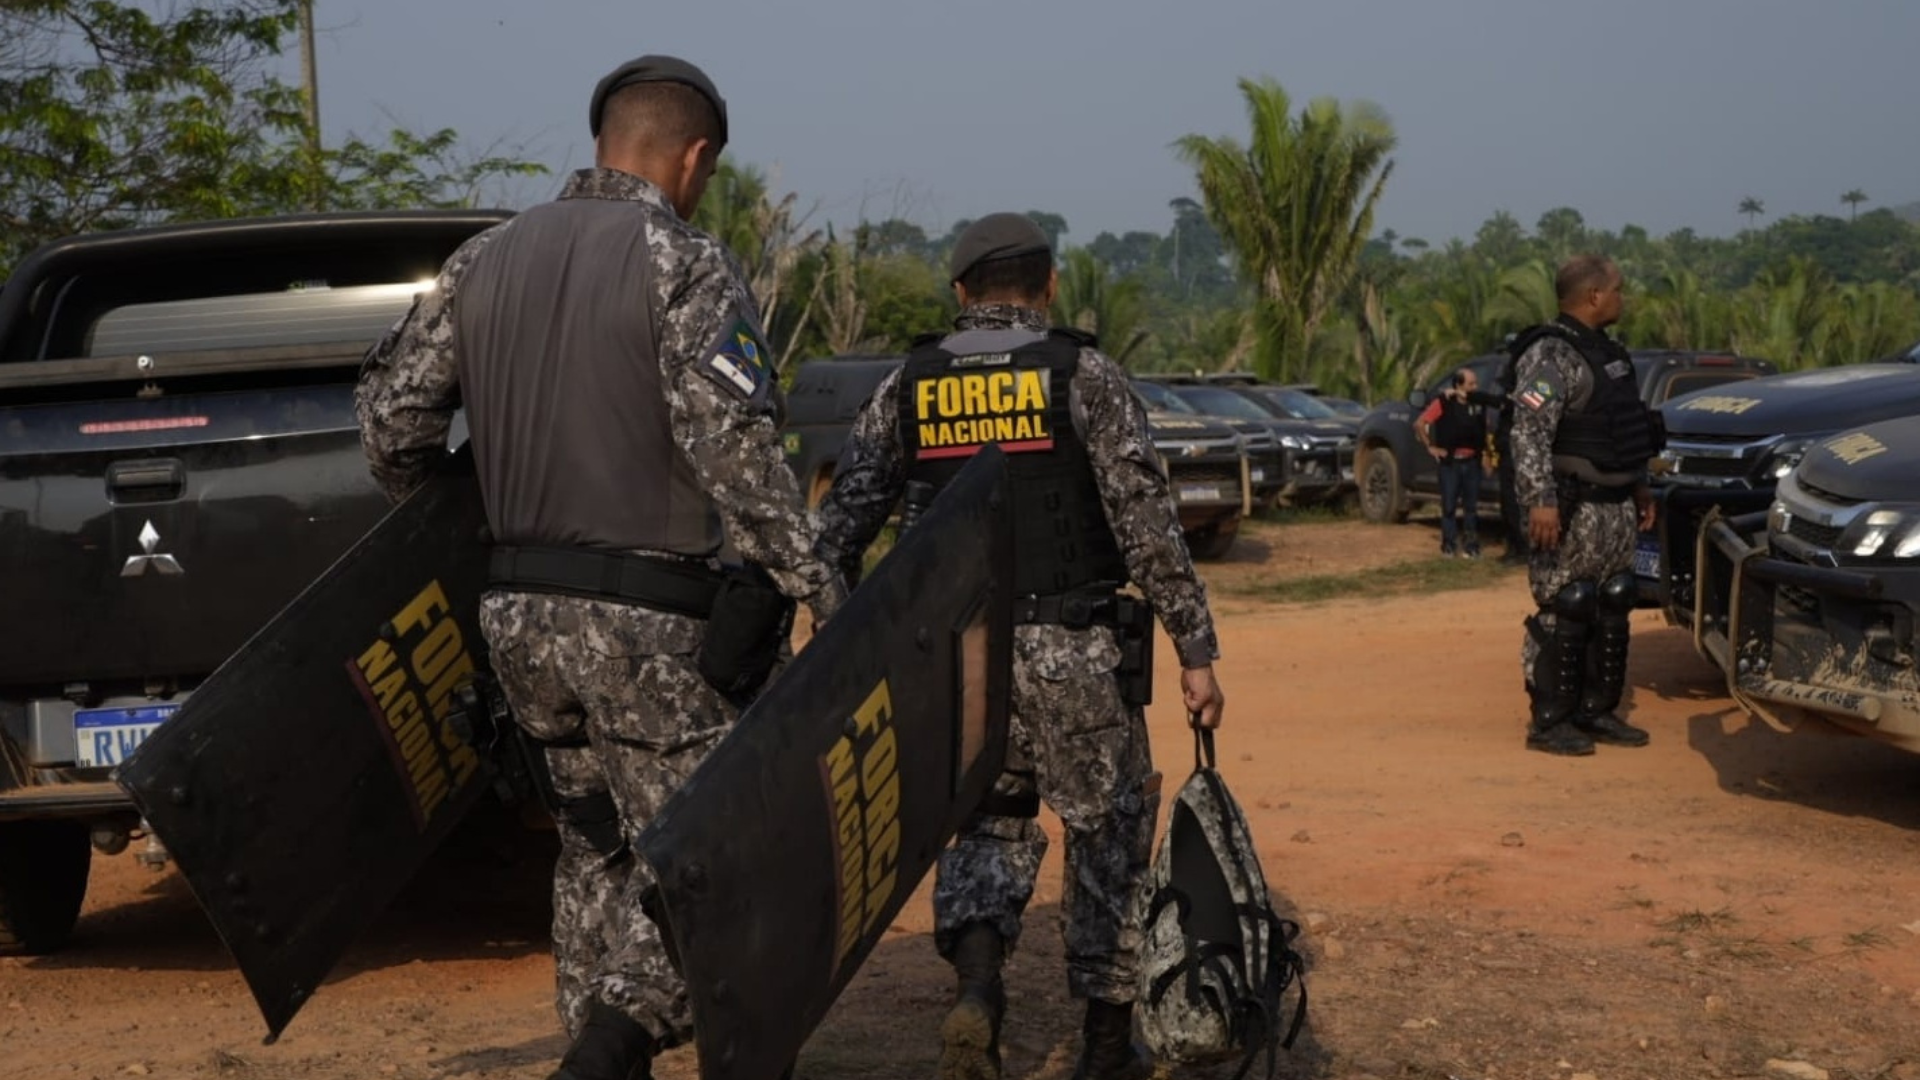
738,362
1536,394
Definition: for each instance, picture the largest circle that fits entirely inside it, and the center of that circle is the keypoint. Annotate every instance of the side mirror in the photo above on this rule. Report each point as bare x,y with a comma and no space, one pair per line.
1417,398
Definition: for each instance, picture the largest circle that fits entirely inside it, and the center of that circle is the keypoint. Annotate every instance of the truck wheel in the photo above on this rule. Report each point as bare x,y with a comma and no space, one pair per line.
1214,541
1383,498
43,876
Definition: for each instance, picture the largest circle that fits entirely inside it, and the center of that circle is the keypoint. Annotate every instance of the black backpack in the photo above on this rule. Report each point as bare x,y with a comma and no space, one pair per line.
1216,962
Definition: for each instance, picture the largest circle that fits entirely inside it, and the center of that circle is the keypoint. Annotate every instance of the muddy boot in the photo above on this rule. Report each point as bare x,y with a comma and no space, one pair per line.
610,1046
970,1035
1109,1052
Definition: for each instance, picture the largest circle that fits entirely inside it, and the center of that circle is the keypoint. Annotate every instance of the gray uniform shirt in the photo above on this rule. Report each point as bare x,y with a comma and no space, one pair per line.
649,420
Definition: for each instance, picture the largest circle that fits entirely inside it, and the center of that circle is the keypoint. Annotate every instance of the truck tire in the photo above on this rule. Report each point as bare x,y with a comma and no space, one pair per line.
1214,541
1383,498
43,876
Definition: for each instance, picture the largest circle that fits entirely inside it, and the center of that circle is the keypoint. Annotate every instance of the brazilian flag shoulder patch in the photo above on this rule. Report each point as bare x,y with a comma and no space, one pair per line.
738,362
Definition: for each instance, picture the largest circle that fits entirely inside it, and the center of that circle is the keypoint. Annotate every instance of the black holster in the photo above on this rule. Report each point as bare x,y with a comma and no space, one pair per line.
1133,629
750,623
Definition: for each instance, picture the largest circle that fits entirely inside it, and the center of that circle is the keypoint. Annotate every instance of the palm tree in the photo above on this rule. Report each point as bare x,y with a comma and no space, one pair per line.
1853,199
1753,208
1294,208
1089,299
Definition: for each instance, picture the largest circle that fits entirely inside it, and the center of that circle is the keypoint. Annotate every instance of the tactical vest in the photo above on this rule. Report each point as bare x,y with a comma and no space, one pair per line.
1613,431
563,391
952,405
1462,426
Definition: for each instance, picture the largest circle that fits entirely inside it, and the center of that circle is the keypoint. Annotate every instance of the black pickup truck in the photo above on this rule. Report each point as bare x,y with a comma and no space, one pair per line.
178,458
1813,614
1727,446
1206,461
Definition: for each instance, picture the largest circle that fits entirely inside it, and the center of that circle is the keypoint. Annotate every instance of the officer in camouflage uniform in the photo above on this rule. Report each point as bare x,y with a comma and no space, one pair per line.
1582,437
622,417
1092,511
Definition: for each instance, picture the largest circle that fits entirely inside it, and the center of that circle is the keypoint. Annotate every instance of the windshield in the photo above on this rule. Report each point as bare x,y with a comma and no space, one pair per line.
1216,401
1157,396
1297,404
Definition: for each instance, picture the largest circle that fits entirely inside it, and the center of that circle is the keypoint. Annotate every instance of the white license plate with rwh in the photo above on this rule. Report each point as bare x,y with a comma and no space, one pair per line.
105,738
1198,493
1646,559
1257,475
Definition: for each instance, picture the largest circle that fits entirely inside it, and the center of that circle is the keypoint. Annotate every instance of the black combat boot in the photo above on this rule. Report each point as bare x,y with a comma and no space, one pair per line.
1606,668
611,1046
970,1035
1559,669
1109,1052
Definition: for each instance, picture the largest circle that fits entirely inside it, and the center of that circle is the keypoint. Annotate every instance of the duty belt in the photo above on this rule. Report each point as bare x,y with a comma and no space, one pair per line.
1074,610
1586,491
660,584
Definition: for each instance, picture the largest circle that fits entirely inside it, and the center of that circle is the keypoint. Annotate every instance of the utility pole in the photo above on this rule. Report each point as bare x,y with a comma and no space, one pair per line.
310,82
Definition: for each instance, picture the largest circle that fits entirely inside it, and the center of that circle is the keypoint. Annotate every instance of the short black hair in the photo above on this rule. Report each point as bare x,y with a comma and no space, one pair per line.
1582,272
1024,276
663,117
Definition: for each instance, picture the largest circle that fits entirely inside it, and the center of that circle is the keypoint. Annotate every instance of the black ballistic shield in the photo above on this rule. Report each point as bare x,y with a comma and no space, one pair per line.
787,854
302,784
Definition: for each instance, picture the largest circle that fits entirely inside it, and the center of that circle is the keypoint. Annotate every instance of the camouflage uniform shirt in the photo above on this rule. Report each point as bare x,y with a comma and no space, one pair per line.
1133,487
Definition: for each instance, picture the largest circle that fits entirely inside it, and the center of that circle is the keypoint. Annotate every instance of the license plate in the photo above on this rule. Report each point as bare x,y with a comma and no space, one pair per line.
104,738
1256,475
1646,559
1198,493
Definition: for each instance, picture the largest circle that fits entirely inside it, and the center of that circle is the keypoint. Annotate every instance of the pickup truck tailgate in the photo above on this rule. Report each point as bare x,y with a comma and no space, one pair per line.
150,537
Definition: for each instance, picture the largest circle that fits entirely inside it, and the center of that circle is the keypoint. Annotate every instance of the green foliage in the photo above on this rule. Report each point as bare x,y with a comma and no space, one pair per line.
1092,299
112,116
1295,207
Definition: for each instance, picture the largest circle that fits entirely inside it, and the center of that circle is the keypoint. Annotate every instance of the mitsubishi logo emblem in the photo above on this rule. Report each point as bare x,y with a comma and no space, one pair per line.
159,561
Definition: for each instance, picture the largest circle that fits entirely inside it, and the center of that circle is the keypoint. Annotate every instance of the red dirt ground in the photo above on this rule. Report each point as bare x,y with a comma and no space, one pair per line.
1728,902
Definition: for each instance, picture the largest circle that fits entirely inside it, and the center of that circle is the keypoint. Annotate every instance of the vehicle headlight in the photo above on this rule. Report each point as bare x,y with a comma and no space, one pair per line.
1891,532
1296,442
1784,456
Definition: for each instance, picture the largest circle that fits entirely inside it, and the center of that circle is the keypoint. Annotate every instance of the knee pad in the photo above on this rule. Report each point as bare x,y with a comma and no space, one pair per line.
1577,600
1619,593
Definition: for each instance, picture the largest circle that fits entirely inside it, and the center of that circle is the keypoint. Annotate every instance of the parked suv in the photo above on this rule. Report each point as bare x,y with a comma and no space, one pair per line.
1206,463
1317,455
1821,620
1266,460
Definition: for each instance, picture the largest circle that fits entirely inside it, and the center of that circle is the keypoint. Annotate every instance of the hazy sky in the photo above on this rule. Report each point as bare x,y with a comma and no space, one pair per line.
1662,113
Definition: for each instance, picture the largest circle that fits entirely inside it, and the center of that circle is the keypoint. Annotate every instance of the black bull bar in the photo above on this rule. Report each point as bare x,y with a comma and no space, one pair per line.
1733,620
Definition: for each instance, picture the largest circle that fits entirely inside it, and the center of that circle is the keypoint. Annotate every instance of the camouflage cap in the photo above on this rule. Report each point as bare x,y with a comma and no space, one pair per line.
655,69
996,236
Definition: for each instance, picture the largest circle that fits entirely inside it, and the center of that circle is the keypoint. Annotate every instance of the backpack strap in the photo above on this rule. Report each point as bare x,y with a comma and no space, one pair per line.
1202,744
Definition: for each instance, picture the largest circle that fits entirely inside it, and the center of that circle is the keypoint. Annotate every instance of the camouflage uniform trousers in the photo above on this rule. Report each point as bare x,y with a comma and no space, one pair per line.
622,678
1596,545
1085,753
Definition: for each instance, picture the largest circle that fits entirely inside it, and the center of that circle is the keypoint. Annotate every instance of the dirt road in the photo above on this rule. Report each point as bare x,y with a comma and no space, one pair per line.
1728,902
